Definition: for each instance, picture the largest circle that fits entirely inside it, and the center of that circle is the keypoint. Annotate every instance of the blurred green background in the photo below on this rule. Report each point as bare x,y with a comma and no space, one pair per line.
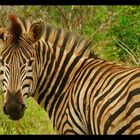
114,30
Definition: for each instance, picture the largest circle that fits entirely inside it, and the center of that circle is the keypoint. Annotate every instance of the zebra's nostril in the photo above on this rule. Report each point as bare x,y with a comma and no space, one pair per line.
5,110
23,107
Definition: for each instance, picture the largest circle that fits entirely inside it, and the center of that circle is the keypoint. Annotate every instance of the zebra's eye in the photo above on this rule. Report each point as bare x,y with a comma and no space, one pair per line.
1,70
1,61
30,62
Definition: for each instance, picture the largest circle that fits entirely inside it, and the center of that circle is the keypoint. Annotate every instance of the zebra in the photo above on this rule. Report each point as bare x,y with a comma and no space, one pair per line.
82,94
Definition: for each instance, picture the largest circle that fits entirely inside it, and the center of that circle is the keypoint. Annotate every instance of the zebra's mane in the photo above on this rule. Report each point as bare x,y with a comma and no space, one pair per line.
69,41
15,28
18,26
14,44
53,35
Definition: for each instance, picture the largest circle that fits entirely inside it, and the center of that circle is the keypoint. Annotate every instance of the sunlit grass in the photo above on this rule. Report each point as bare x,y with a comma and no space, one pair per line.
35,121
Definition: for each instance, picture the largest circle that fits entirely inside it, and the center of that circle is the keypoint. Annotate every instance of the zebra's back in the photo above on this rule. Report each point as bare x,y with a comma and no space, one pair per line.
104,99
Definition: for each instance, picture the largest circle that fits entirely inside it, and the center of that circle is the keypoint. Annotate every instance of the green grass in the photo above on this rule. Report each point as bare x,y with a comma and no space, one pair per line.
35,121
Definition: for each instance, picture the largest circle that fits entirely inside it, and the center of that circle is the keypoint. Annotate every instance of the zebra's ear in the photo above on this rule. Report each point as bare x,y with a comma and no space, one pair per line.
36,31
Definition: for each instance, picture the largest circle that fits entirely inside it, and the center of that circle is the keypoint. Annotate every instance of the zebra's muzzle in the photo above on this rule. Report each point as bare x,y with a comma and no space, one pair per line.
14,112
14,105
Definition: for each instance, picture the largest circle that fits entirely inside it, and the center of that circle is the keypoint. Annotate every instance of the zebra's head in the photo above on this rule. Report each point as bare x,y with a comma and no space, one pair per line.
18,64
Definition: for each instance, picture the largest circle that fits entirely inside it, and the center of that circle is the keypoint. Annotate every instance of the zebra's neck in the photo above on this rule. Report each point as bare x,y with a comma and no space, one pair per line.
60,57
57,70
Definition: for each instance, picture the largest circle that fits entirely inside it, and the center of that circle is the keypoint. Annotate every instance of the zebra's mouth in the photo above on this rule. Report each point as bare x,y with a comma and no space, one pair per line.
16,117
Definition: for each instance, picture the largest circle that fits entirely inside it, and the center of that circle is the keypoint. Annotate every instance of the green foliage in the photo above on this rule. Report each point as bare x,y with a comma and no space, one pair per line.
126,28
